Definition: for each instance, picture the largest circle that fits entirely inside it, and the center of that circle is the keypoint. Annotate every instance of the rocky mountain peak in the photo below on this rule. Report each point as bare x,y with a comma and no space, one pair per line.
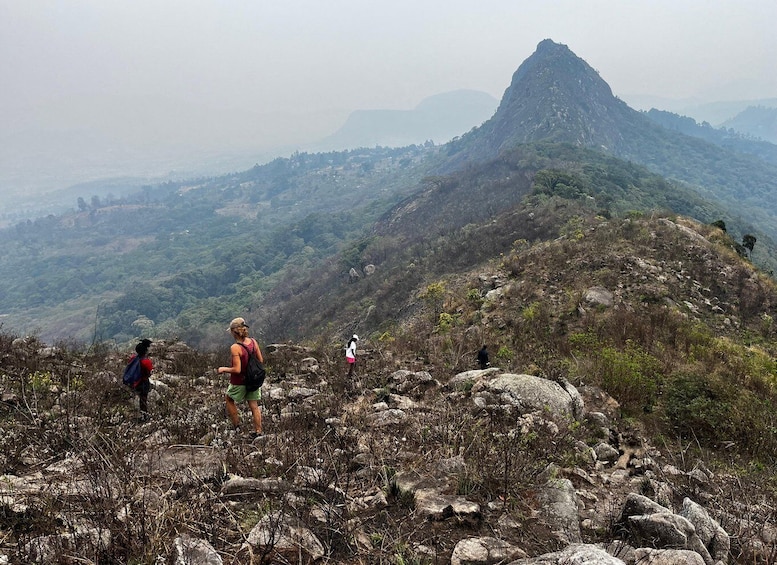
554,96
554,74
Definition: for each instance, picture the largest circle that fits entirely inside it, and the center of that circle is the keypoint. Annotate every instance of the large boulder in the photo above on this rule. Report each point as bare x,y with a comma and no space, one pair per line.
559,507
712,535
528,393
649,556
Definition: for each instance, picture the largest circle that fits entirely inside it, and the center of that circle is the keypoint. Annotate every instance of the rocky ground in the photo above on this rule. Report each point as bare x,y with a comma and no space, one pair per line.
401,464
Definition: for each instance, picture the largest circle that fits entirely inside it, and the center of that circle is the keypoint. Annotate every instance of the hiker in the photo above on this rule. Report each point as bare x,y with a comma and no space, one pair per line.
483,357
236,391
143,386
350,353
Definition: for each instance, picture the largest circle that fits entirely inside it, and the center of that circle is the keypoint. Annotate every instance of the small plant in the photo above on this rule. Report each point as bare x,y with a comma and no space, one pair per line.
466,484
473,295
573,229
504,353
445,322
41,381
376,539
386,337
531,312
434,292
382,394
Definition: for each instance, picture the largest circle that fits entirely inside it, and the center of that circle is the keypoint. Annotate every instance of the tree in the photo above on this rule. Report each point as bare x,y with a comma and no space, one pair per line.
748,241
720,224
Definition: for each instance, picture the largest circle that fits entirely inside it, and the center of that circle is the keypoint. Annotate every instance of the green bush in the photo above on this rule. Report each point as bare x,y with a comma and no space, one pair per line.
631,376
714,410
699,406
504,353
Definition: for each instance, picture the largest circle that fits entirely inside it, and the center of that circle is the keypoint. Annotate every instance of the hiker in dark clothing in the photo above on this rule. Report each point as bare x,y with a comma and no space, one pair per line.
483,357
144,386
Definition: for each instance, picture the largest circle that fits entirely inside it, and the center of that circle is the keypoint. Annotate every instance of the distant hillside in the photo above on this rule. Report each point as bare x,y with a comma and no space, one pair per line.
180,257
757,121
437,118
726,137
713,113
717,113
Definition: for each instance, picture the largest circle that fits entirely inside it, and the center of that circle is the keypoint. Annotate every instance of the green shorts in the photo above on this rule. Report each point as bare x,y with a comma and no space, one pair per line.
238,393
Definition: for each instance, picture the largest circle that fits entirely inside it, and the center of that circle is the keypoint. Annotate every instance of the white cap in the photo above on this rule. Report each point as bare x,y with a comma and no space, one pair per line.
356,337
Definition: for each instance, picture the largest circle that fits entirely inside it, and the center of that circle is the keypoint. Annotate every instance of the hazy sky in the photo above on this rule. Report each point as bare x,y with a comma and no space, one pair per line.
190,72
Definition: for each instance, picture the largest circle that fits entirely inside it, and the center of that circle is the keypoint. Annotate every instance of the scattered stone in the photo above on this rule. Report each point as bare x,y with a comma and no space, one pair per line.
485,551
194,551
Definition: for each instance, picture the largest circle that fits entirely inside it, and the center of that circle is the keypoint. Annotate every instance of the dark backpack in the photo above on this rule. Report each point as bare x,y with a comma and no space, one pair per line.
254,373
133,372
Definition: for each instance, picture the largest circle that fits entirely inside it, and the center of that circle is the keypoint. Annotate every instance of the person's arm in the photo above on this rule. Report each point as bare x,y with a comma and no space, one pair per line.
258,351
236,363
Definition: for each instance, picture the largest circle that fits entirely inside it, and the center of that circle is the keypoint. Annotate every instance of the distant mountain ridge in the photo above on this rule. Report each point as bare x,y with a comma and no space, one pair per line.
757,121
735,138
438,118
714,113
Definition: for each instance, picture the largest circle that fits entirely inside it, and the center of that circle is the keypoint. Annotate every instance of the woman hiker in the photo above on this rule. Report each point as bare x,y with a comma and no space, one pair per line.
236,391
350,353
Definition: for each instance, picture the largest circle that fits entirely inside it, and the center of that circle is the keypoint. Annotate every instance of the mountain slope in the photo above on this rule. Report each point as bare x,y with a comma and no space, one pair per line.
458,221
632,375
556,96
180,257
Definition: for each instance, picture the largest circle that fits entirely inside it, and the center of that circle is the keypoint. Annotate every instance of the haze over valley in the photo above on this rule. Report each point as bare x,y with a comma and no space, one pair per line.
161,92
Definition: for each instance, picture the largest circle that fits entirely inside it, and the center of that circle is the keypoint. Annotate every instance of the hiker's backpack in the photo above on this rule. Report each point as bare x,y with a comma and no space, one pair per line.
254,372
133,372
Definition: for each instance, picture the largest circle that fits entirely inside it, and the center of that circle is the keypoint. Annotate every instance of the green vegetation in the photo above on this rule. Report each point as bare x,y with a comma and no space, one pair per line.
181,258
504,206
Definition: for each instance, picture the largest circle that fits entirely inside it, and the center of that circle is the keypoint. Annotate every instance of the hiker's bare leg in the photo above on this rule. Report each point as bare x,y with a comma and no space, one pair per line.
257,414
234,417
